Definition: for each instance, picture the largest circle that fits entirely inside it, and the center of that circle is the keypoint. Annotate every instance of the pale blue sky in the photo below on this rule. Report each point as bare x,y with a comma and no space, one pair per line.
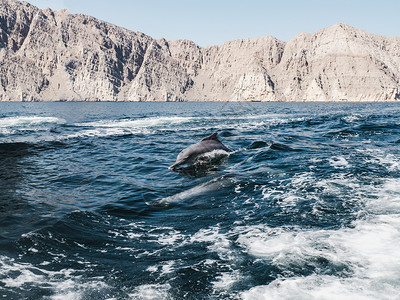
211,22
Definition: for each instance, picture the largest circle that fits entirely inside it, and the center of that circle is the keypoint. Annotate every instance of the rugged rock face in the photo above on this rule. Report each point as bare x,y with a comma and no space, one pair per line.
339,63
50,55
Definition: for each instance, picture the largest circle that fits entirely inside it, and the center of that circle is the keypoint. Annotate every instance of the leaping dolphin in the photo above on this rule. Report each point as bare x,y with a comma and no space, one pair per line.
196,152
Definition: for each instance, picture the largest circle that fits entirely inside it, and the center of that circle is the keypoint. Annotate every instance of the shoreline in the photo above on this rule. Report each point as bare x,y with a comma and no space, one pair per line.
205,101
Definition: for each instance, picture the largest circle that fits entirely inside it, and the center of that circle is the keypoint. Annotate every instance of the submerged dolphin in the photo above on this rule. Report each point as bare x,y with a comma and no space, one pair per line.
194,194
195,153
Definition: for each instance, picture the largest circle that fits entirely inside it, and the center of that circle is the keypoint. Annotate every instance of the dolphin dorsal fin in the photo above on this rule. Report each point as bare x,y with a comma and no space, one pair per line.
211,137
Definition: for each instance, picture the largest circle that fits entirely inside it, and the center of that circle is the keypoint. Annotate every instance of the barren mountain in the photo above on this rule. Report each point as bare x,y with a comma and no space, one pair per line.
50,55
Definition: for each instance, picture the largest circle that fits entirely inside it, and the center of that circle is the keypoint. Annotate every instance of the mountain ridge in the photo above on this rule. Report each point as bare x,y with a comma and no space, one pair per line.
48,55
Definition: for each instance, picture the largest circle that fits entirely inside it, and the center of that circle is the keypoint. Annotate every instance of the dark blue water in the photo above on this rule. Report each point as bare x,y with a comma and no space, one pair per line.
306,207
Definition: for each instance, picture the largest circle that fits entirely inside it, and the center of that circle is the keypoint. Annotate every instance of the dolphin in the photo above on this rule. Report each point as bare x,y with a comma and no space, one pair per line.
194,194
195,153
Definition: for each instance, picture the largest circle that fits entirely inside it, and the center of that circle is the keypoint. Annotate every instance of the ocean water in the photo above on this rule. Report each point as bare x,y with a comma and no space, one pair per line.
307,206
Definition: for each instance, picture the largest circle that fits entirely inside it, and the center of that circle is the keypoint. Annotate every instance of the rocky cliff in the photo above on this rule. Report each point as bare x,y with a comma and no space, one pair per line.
50,55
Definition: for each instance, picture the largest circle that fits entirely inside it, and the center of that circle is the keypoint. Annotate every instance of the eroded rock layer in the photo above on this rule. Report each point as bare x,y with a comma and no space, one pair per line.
50,55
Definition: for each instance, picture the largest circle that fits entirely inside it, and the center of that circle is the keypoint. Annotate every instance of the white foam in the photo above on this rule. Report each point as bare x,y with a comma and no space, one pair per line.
217,242
379,156
138,123
99,132
387,200
226,280
24,121
103,128
321,287
288,194
353,118
214,154
151,292
71,289
168,267
368,252
11,125
152,269
339,162
66,284
106,128
170,238
196,123
25,276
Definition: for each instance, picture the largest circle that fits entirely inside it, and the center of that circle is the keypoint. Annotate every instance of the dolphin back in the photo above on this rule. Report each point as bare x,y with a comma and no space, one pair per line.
211,137
191,153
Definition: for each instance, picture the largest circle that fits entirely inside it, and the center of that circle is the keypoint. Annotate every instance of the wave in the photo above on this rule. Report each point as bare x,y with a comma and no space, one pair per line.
145,125
204,123
27,122
19,277
329,262
149,125
137,123
152,291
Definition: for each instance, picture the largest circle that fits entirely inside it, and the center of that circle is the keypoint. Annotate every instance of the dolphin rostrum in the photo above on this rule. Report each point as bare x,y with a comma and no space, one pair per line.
195,153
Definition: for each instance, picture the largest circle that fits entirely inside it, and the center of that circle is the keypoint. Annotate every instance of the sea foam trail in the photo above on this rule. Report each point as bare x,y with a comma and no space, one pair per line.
11,125
65,283
146,125
138,123
365,254
29,129
191,123
27,121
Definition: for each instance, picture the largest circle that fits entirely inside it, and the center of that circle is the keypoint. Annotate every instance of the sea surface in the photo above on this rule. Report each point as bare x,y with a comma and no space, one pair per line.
307,206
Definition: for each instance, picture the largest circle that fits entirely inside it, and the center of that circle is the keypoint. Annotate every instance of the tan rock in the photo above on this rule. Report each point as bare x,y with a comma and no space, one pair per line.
50,55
